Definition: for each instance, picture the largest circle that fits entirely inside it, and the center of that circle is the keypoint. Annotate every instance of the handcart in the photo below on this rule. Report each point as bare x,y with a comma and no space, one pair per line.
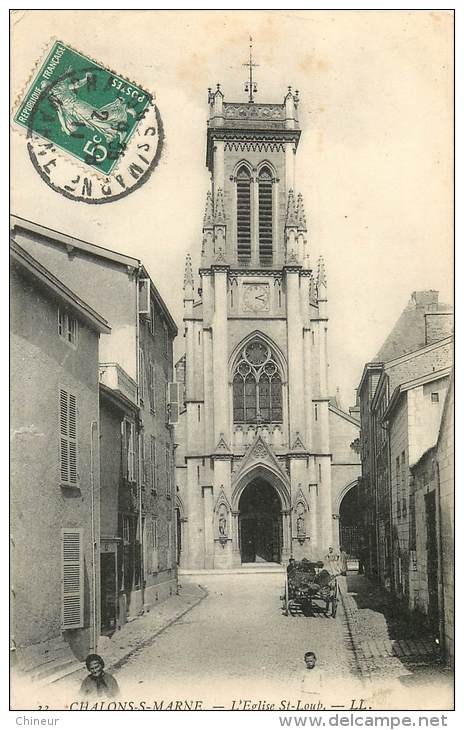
308,584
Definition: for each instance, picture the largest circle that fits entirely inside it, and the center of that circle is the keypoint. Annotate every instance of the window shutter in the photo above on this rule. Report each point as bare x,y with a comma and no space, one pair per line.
141,374
143,466
153,462
64,452
155,562
169,548
144,297
68,438
124,449
131,453
167,470
72,439
151,385
72,593
173,403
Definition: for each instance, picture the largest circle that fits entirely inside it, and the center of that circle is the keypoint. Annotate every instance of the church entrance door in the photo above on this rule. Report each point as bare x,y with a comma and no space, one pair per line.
260,523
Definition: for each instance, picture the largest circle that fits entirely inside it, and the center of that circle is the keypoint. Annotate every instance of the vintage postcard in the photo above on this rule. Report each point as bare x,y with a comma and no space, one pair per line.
232,381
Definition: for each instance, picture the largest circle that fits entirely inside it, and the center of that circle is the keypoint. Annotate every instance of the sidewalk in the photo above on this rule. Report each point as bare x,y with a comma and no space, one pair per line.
390,642
139,632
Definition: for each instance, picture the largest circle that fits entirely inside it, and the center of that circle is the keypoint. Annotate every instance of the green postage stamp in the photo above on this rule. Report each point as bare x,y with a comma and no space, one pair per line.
77,111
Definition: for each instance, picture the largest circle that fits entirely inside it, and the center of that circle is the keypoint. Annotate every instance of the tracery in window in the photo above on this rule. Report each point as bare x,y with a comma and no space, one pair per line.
257,386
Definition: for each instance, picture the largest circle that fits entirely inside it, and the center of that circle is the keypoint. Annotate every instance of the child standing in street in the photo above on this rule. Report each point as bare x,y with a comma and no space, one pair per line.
99,683
311,683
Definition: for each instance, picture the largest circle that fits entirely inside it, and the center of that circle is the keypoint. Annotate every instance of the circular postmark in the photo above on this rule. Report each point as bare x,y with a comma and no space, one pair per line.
92,136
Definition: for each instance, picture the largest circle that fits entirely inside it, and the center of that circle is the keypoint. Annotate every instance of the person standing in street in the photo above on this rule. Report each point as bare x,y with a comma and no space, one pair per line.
98,683
332,562
343,562
311,683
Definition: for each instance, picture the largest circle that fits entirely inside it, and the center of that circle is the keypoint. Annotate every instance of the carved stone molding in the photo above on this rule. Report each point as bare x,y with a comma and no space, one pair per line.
255,111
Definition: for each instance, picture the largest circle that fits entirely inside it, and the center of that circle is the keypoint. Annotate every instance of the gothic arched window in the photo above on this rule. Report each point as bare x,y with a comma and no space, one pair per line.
257,385
243,213
265,213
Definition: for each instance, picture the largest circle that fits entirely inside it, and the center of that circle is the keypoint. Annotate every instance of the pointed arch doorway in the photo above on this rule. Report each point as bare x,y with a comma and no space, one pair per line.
260,523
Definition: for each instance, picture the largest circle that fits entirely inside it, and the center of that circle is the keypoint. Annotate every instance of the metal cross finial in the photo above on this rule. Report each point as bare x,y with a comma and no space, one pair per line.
251,87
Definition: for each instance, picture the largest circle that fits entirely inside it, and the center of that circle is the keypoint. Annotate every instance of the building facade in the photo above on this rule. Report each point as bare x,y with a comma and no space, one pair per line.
55,494
411,423
444,471
368,516
120,554
136,362
263,457
418,344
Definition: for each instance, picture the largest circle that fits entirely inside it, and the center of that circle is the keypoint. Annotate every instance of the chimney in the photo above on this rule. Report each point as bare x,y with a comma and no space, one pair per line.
425,299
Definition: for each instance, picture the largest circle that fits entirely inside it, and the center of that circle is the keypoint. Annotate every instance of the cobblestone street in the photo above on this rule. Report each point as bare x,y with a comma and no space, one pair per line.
229,641
396,653
236,644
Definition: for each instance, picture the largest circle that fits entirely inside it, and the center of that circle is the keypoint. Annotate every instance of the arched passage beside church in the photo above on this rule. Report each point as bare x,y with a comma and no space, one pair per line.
350,520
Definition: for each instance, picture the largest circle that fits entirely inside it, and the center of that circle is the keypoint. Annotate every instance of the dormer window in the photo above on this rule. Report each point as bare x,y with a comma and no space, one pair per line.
67,327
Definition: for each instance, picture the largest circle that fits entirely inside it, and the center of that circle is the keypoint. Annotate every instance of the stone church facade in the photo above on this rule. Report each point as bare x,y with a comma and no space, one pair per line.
264,456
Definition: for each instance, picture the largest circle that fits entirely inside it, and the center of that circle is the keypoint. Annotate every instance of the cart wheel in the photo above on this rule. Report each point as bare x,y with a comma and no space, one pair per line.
334,607
307,608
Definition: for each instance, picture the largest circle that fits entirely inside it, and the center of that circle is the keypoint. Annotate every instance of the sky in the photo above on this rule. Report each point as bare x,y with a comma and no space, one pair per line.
374,162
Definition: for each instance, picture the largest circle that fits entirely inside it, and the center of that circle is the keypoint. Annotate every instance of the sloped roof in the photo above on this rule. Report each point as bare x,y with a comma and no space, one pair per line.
409,332
57,289
343,414
70,242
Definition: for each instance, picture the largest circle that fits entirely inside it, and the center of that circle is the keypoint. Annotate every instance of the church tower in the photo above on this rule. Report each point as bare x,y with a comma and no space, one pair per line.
254,458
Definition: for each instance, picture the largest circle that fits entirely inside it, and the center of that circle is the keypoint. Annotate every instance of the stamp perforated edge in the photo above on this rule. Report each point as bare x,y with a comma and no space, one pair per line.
18,98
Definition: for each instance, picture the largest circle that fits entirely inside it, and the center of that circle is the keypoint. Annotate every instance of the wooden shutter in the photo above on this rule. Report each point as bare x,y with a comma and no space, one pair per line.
169,548
173,403
143,464
68,438
144,297
155,560
167,457
153,462
131,453
124,449
141,374
72,582
151,385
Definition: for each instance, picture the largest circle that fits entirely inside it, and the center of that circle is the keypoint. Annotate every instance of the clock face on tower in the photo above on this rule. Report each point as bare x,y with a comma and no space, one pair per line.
256,297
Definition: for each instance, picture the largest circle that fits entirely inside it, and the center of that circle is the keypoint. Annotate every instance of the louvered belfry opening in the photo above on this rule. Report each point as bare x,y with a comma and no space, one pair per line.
265,216
243,214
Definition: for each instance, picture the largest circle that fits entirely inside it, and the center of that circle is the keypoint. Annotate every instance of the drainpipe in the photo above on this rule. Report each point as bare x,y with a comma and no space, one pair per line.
140,435
441,590
142,541
93,428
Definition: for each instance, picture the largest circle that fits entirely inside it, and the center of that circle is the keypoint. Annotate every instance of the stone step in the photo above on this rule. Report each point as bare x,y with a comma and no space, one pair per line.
30,660
58,669
244,569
